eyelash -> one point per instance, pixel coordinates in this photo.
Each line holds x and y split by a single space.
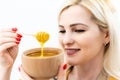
77 30
62 31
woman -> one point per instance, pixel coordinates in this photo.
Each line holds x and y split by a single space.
88 34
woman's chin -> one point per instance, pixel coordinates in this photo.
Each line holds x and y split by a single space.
71 62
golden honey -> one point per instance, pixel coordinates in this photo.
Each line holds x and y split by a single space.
37 54
42 37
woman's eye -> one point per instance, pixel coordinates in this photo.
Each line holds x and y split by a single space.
79 30
62 31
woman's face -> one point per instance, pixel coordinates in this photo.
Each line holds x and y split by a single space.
80 36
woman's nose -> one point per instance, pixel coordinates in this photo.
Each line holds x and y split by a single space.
68 39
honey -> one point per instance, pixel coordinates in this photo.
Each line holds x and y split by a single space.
37 54
42 37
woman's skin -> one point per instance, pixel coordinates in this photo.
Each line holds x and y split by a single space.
83 43
9 43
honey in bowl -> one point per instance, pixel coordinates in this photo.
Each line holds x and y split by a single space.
37 54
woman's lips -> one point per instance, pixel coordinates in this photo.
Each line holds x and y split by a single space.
71 51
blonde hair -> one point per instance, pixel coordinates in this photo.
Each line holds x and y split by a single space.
106 17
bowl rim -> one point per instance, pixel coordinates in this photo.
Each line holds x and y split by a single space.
32 50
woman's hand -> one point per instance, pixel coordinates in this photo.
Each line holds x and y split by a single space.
24 75
61 73
9 41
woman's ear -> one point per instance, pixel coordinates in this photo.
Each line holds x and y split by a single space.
107 37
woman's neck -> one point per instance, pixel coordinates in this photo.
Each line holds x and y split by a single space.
88 71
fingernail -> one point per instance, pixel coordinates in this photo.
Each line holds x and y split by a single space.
19 69
18 39
19 35
17 42
64 66
14 29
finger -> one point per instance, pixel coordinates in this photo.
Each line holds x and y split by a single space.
24 75
14 29
13 51
6 60
8 34
6 46
7 40
62 72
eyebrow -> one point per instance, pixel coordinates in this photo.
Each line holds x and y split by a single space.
75 24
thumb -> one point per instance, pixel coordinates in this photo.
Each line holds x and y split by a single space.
24 75
62 72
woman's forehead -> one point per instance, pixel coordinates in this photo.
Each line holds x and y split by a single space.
76 10
75 14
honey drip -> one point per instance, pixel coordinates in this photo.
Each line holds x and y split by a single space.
42 37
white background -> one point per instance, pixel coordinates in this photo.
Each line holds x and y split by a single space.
30 16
